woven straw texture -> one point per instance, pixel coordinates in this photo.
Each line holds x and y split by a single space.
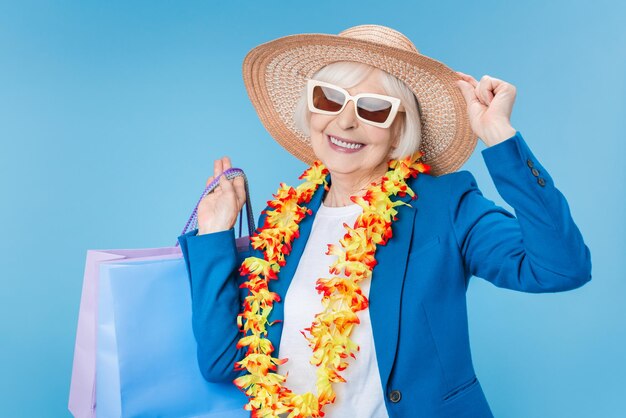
275 75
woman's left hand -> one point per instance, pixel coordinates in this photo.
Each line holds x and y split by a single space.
489 105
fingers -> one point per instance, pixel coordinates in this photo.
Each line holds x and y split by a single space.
225 184
467 85
484 90
218 168
226 163
237 185
240 189
471 80
468 92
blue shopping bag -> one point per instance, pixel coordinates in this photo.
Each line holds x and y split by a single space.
146 361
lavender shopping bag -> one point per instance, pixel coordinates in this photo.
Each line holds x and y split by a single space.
135 353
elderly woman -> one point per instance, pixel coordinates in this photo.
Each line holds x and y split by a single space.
351 300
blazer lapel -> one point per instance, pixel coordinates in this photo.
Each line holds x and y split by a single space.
386 289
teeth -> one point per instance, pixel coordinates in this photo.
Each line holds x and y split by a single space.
344 144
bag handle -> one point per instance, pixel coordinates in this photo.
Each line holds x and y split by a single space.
230 174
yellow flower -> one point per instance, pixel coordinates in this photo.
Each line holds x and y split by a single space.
256 266
258 364
304 406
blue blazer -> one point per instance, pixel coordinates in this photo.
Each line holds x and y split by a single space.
417 296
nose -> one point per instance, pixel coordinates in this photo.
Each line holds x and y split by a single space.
347 118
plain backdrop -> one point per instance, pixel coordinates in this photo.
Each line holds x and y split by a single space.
111 114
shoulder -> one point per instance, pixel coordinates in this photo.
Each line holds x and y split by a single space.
445 186
447 197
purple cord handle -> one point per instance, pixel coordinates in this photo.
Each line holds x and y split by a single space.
230 174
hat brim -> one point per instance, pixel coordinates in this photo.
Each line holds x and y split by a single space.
275 75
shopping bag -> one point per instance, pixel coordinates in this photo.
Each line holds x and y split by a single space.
135 352
82 401
146 359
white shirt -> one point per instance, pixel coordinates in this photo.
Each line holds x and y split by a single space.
362 394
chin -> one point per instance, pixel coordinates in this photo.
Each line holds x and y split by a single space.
358 163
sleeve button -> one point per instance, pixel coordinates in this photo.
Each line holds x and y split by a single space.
541 181
535 172
530 163
395 396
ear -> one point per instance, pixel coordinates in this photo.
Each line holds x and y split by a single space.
396 141
396 130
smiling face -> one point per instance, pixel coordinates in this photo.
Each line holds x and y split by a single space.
349 147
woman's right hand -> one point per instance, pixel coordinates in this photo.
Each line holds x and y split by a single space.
218 210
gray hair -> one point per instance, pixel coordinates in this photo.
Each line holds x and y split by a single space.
347 74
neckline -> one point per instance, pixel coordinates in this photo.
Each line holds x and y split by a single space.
339 210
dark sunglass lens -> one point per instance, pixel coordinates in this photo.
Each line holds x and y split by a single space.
328 99
372 109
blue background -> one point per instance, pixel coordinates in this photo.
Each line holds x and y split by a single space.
111 114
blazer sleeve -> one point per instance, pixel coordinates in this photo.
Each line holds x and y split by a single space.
538 250
212 265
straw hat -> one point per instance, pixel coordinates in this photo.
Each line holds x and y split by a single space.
275 75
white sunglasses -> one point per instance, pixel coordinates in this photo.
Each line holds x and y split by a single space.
375 109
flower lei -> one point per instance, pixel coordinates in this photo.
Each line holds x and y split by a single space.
342 298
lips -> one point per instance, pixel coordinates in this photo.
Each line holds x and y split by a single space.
344 145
